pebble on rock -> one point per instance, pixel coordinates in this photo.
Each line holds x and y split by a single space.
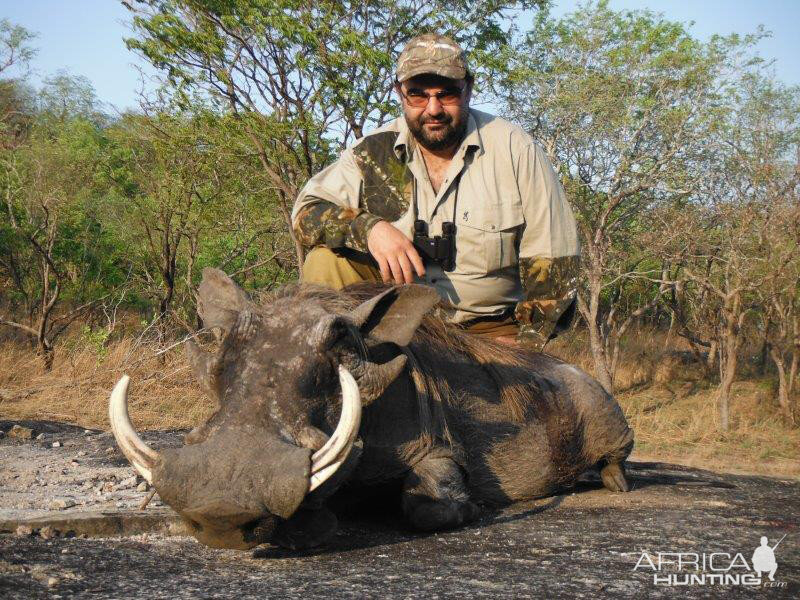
127 483
142 487
24 530
62 503
52 581
56 444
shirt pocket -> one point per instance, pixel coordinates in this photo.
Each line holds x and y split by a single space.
487 237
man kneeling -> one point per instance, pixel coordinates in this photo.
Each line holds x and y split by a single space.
449 197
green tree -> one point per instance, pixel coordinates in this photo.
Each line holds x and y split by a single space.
735 242
53 250
188 194
16 100
15 48
623 103
300 78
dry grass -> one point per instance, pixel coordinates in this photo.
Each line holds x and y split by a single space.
669 403
163 395
681 423
671 406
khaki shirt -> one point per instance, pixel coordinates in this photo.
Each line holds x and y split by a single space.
515 231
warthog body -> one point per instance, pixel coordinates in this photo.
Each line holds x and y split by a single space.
461 421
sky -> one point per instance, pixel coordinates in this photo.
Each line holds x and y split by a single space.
85 37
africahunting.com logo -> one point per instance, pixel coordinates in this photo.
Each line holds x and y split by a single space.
713 568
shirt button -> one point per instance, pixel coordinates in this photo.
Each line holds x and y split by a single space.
493 227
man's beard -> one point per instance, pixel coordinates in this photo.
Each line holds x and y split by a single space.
440 139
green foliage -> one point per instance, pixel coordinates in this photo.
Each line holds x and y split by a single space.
679 156
95 339
296 80
15 49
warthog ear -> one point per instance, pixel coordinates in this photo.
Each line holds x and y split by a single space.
394 315
219 301
206 368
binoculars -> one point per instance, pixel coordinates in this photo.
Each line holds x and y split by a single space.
440 249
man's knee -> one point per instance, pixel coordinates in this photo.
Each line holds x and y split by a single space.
317 260
320 267
324 267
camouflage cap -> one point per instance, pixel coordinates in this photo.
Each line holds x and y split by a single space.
432 53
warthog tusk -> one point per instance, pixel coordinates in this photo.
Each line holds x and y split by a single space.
140 455
330 457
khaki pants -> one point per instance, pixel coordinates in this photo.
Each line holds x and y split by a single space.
338 269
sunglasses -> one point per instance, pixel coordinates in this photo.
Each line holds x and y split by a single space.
419 99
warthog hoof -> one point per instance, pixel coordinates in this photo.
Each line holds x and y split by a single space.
438 515
613 476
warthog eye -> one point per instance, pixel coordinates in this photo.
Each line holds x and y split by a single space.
316 377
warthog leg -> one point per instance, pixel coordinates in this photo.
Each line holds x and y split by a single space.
435 495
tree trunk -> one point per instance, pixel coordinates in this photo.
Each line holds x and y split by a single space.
723 403
728 359
590 314
298 247
763 353
783 386
44 350
724 392
711 359
670 331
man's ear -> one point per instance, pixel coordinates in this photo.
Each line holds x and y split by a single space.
394 315
219 301
398 89
469 83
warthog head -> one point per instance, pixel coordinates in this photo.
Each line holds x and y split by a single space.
290 379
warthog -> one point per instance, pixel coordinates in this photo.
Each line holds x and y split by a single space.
319 389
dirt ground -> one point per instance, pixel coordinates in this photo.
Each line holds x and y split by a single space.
83 536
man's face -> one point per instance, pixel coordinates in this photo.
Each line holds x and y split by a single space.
436 109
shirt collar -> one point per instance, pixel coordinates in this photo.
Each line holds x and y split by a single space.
472 139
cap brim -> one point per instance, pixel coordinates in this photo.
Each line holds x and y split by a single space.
449 72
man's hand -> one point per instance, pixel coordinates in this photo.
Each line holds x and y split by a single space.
396 255
508 340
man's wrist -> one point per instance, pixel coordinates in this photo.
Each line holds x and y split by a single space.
360 228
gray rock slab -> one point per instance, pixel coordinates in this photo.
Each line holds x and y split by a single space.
584 543
107 523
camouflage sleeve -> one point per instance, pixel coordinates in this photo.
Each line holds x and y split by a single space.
324 223
549 250
550 287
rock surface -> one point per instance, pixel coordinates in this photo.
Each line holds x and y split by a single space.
582 544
